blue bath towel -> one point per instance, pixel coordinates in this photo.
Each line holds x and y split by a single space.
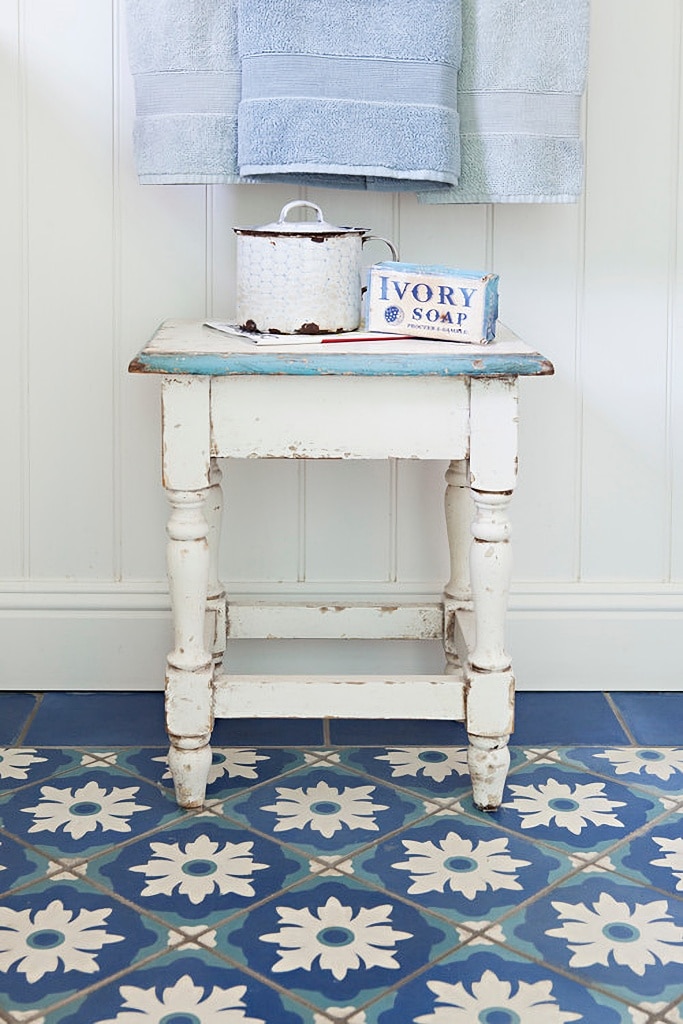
348 93
522 75
185 65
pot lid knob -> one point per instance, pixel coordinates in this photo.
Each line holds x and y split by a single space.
320 225
282 226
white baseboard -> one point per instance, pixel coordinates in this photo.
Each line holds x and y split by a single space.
561 637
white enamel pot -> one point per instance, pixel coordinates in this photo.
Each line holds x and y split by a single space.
301 277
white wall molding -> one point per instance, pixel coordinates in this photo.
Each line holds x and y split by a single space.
152 595
563 636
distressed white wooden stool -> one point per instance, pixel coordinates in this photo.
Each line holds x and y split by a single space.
224 397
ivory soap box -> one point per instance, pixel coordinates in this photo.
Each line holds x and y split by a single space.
432 302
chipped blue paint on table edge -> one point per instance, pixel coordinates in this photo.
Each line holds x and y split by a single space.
450 364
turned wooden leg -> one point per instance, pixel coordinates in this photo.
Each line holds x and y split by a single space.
489 761
189 674
457 593
215 601
489 679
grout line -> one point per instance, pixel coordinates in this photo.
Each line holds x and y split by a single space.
301 553
190 942
620 719
209 250
29 720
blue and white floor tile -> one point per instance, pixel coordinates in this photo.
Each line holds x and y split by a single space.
330 882
466 870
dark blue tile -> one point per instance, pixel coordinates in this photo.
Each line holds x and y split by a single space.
559 719
14 711
99 719
268 732
653 718
363 732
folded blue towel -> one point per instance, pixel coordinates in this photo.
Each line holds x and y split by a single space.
349 94
522 75
185 65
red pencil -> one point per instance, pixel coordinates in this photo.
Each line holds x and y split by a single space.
340 339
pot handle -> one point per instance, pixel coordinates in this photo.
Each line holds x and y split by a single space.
299 202
378 238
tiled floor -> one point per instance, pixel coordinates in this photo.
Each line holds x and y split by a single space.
345 876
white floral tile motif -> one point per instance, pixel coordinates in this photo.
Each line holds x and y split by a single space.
185 987
78 810
634 936
610 932
458 864
85 810
659 768
57 938
233 769
435 771
16 762
431 764
335 942
334 876
570 809
568 806
324 809
335 936
22 765
198 871
465 870
494 987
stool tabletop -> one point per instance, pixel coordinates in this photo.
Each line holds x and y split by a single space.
191 347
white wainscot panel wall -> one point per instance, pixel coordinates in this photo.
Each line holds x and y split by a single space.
91 262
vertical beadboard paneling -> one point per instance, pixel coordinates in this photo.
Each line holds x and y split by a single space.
12 295
69 100
90 262
676 344
537 254
624 356
348 521
161 259
455 236
452 235
349 506
421 542
261 537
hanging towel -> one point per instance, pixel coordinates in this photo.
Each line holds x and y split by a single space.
522 75
185 65
348 93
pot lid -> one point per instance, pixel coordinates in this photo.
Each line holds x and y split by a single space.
302 227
